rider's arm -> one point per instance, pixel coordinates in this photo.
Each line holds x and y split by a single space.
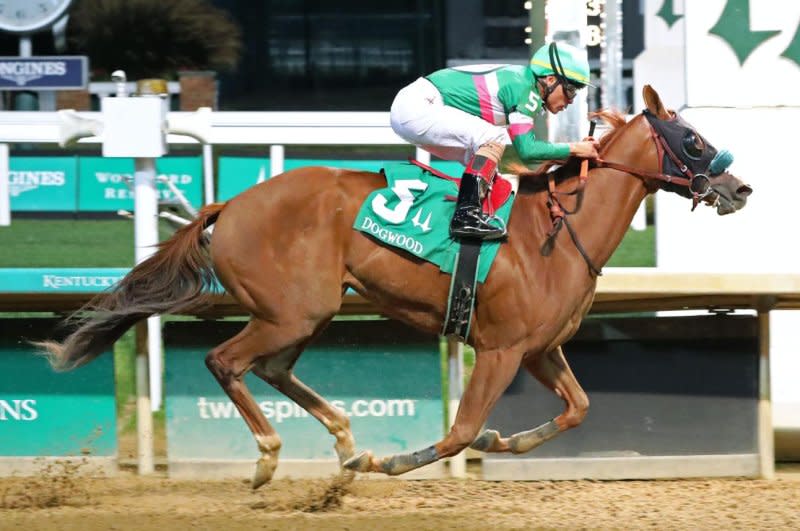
523 137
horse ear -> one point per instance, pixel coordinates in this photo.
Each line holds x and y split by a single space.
653 102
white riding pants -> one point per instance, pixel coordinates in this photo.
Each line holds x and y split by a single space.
419 116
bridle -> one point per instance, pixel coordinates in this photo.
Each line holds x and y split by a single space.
697 183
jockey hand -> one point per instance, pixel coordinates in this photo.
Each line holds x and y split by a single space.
586 149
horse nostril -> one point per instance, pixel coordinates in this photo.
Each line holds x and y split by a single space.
744 190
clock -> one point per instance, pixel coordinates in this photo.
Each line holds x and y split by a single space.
29 16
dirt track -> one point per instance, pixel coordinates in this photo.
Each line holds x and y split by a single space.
65 502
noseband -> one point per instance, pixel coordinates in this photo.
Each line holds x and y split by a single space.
697 183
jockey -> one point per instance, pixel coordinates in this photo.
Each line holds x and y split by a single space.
469 114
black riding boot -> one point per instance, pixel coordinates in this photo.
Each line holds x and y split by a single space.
469 221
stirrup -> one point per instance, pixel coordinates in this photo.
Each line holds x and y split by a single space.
481 230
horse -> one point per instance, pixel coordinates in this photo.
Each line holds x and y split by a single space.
286 250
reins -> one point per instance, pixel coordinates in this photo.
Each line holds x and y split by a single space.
559 214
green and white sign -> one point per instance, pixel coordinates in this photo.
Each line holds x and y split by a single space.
384 375
46 413
43 184
106 184
59 279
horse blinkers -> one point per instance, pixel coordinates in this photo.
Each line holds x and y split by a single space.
685 153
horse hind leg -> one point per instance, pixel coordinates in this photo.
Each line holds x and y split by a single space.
493 372
229 362
553 371
277 371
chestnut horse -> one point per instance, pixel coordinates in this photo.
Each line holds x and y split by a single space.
286 250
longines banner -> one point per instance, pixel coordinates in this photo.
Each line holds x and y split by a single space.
60 72
383 375
106 184
43 184
46 413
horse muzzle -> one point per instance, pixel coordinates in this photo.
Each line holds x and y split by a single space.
729 193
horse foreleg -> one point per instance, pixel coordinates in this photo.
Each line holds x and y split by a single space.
229 362
277 372
553 371
492 374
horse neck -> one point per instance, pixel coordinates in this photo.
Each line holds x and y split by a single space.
611 197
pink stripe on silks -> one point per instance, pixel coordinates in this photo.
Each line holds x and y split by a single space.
484 100
515 130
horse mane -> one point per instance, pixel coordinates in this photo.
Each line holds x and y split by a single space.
615 119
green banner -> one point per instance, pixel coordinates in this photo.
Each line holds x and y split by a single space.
237 174
43 184
106 184
46 413
59 279
384 375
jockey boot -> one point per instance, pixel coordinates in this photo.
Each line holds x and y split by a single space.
470 221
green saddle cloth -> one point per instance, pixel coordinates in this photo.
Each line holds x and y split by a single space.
413 214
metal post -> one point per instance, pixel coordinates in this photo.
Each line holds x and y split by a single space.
276 160
766 441
611 55
423 156
208 173
5 189
144 417
538 36
455 385
148 359
566 22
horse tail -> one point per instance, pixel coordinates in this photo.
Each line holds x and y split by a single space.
178 277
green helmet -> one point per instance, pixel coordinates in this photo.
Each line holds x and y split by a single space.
572 61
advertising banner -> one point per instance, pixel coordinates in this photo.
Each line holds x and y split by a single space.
106 184
385 376
43 184
46 413
59 279
61 72
237 174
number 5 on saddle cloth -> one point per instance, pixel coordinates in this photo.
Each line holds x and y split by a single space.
413 214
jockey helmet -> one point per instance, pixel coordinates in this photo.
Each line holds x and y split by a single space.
567 61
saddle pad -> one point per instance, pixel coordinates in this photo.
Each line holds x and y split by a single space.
413 214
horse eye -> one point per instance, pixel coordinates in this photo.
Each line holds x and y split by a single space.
692 145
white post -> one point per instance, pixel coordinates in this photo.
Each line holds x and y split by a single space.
276 160
640 218
423 156
455 385
766 442
5 190
208 173
145 238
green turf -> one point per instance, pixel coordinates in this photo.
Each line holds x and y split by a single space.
69 243
109 243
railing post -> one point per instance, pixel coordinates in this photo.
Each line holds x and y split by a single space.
276 160
208 173
455 379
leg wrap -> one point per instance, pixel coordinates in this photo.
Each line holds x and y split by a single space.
528 440
397 464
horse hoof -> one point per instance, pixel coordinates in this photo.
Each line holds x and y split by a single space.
485 440
264 470
359 463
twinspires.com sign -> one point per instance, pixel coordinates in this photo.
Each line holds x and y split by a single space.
60 72
383 375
